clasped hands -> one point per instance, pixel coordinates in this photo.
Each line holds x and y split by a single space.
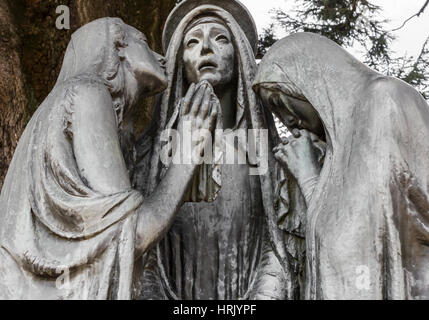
299 155
198 114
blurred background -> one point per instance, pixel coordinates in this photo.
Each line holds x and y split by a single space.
391 36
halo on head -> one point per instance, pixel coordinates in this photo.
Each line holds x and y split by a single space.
234 7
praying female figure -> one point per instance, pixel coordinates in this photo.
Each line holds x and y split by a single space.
71 226
220 245
367 223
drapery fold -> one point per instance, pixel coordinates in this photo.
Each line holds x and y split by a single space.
250 115
60 238
367 226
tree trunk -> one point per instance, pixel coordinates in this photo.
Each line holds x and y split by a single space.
32 49
12 97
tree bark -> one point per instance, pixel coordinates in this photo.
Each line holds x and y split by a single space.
32 49
13 99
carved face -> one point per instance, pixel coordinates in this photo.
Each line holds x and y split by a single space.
293 112
209 54
143 64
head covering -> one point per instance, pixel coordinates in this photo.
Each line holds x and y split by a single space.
238 11
93 53
92 50
167 111
249 113
53 224
368 213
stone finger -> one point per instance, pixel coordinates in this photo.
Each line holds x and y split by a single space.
187 99
198 97
296 133
204 110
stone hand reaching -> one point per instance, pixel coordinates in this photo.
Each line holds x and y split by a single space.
299 155
198 113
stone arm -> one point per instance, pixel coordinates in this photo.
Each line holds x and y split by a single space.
101 164
302 155
307 188
96 142
156 215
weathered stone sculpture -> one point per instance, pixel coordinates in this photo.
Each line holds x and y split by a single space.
71 227
223 241
341 212
367 221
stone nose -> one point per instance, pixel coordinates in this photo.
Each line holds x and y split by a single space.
207 48
160 59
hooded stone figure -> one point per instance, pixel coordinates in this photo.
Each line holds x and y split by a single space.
71 227
367 220
224 243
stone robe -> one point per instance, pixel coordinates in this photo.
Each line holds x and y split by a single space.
367 224
61 237
225 243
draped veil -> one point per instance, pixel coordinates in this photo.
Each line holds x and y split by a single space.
60 238
367 232
250 114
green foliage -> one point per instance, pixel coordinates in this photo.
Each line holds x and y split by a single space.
354 23
346 22
266 39
414 71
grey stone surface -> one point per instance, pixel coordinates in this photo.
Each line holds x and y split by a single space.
341 212
224 242
237 10
71 225
367 218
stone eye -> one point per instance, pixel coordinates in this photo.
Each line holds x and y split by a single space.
192 43
222 38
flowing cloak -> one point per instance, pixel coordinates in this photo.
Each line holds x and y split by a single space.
367 223
60 238
181 278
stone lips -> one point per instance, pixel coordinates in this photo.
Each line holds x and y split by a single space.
236 8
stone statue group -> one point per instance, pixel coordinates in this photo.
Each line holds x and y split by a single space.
341 213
